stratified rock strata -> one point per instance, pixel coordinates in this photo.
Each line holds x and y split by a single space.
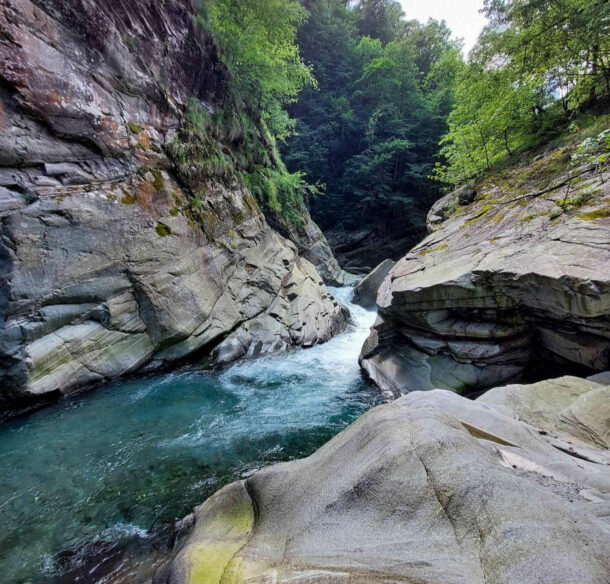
514 275
313 246
433 488
109 263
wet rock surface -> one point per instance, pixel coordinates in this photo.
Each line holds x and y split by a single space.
431 488
105 269
511 278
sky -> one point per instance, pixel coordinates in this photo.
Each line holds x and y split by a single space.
462 16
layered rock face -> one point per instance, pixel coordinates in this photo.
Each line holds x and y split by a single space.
514 274
106 265
313 246
433 488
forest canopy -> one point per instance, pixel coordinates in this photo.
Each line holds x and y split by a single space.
536 65
369 132
381 112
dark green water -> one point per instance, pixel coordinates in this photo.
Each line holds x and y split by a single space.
117 464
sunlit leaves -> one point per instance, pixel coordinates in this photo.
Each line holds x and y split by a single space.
257 42
536 63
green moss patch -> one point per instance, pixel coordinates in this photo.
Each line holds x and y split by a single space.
594 215
533 216
482 213
134 128
158 183
163 230
212 558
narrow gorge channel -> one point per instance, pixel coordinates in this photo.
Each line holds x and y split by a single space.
99 475
304 292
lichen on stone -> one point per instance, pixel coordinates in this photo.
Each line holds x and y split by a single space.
434 249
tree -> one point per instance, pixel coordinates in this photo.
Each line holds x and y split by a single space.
536 64
381 19
370 132
257 42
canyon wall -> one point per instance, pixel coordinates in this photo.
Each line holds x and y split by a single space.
111 260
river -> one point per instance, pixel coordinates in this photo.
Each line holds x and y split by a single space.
88 485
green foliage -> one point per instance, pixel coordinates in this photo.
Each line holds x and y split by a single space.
237 141
257 43
594 151
202 150
281 191
380 19
537 64
228 146
370 132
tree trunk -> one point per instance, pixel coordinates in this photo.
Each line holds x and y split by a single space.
510 153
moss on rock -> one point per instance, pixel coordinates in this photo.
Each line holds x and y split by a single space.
594 215
163 230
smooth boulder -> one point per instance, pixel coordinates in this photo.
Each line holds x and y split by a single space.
365 292
433 489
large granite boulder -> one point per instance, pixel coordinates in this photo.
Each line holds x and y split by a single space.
111 258
515 281
365 292
433 488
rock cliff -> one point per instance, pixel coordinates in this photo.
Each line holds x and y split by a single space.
433 488
513 280
113 257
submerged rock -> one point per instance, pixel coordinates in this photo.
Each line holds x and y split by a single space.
502 285
112 258
431 488
365 292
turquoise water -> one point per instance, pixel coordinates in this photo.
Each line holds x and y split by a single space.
118 464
